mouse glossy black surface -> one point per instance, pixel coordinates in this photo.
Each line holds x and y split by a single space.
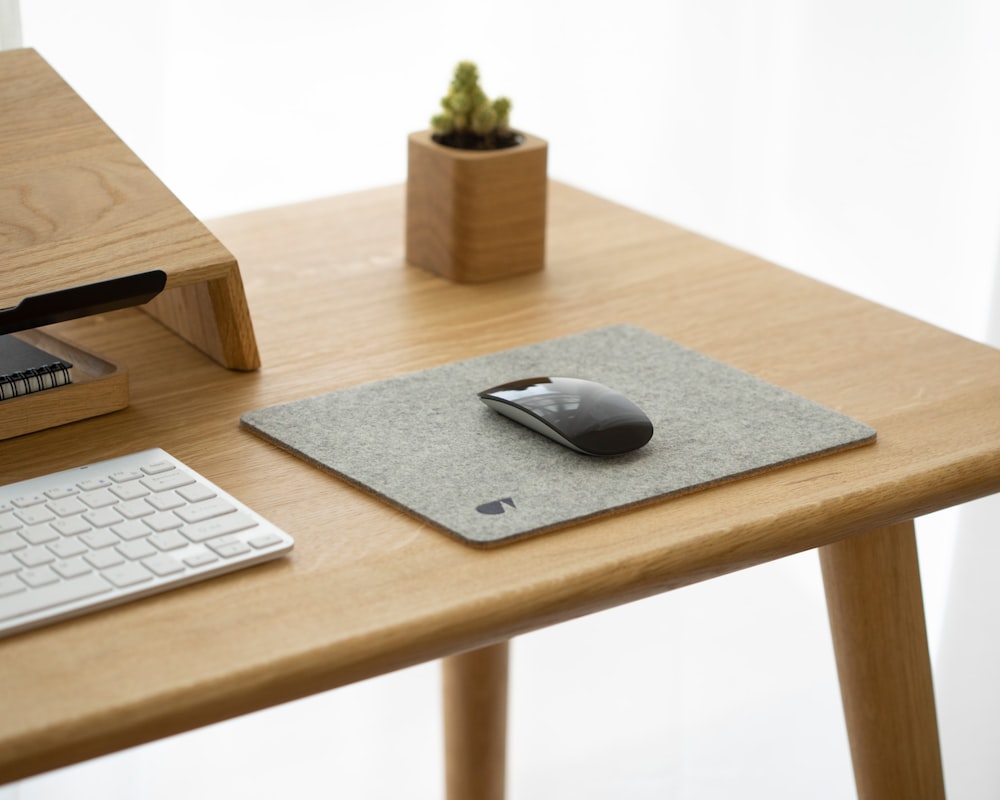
583 415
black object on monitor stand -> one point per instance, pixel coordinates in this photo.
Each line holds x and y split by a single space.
82 301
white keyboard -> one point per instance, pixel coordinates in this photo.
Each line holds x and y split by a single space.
102 534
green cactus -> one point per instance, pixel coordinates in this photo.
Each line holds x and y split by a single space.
468 119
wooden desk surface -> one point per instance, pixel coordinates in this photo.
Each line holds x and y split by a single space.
369 589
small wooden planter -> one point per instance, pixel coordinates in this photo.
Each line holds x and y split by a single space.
475 216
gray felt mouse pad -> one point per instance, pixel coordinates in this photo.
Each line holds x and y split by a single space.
425 441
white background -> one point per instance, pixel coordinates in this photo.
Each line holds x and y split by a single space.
853 141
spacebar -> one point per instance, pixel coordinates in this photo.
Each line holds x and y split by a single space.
51 596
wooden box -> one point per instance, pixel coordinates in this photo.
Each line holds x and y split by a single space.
474 216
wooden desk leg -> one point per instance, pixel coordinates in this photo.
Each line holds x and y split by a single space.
475 723
876 610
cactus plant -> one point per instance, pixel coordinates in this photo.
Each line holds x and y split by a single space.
475 189
469 119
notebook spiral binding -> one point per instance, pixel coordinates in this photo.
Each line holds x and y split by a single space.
48 376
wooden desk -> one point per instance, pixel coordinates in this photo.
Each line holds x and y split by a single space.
369 589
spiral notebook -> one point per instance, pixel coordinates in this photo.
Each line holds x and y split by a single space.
25 369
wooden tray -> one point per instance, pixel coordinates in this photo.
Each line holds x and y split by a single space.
98 387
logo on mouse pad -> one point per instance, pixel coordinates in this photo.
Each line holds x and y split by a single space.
496 506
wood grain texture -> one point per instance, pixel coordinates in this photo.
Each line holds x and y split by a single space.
876 613
475 723
214 316
369 589
476 216
78 206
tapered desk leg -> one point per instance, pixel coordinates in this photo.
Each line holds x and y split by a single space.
876 613
475 723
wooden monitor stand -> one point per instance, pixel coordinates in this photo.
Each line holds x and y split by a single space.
78 206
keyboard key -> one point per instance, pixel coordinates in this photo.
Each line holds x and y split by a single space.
156 467
34 556
39 534
56 594
166 501
67 548
103 517
220 526
9 564
126 475
201 559
102 559
128 574
100 498
35 516
71 526
10 542
9 523
136 550
28 500
40 576
228 549
92 484
169 540
264 540
199 512
168 480
196 493
134 509
133 529
96 540
129 491
163 565
71 568
163 522
59 492
66 507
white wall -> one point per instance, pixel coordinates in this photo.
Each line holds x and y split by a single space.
853 141
10 24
